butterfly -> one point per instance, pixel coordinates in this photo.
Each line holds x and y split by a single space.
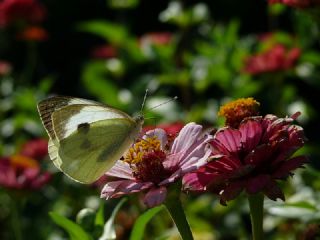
86 138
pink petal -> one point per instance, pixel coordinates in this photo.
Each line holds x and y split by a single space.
251 132
122 187
155 196
193 148
230 139
172 161
273 191
289 165
224 164
197 181
259 155
231 192
121 170
160 134
187 136
257 184
197 155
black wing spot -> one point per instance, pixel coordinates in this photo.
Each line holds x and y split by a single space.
85 144
83 128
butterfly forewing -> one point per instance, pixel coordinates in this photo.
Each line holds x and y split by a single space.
48 106
66 120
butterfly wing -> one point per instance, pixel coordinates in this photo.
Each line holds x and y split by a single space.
86 137
48 106
88 153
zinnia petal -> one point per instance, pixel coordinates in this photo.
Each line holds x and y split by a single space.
187 136
230 139
118 188
155 196
121 170
160 134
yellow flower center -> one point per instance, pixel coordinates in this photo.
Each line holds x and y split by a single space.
19 161
146 160
235 111
136 152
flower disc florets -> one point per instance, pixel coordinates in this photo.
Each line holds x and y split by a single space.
235 111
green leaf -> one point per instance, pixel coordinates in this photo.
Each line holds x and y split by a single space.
74 230
97 82
141 222
99 221
113 33
109 232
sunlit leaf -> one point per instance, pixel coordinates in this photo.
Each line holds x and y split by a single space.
112 32
141 222
109 231
74 230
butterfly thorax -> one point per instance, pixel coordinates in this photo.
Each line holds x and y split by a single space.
139 119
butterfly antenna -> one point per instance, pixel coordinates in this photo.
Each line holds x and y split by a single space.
144 100
170 100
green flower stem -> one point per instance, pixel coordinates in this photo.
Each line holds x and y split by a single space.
31 62
15 220
174 207
256 214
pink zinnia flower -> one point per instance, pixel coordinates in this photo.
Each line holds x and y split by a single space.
250 156
36 149
104 51
29 11
297 3
277 58
154 162
5 68
157 38
171 128
21 172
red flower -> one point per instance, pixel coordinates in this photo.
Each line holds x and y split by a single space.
5 68
105 51
21 172
36 149
277 58
33 34
171 128
157 38
251 157
29 11
296 3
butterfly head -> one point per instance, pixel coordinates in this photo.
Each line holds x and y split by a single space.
139 119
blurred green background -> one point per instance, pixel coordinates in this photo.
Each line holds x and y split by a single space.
204 52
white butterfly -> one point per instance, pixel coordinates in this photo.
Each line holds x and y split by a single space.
86 137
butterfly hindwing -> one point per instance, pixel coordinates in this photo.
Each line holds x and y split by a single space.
90 151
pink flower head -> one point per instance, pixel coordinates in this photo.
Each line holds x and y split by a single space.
251 157
5 68
296 3
104 52
277 58
21 172
29 11
156 161
36 149
171 128
156 38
